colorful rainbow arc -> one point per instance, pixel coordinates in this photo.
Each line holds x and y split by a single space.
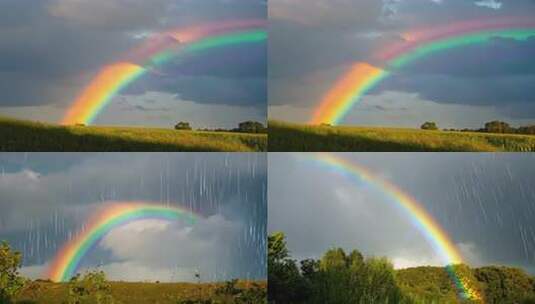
159 49
114 215
362 77
419 217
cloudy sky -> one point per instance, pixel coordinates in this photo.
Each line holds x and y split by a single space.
484 202
45 198
313 42
51 49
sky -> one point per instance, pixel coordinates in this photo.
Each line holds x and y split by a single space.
47 198
314 42
51 49
484 202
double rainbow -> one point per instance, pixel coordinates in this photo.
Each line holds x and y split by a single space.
423 221
160 48
362 77
114 215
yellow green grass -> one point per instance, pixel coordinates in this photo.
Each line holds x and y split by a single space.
286 137
131 293
27 136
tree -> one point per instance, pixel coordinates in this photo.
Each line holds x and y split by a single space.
286 285
498 127
429 125
183 125
11 282
251 127
506 285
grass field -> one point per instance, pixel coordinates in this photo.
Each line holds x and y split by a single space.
288 137
19 135
131 293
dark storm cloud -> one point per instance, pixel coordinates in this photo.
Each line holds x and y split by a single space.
208 79
44 198
51 48
484 202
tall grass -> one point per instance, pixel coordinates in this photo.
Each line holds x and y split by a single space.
286 137
19 135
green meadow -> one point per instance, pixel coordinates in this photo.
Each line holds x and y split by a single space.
288 137
20 135
143 293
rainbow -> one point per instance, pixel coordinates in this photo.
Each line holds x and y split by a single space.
419 217
157 50
362 77
111 216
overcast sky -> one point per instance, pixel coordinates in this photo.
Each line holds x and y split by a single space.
484 202
44 198
313 42
51 49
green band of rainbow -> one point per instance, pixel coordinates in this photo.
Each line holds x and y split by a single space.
68 259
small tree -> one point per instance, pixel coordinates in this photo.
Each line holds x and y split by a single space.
183 125
11 282
429 125
498 127
91 288
251 127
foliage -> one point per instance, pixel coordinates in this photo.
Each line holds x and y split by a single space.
183 126
340 278
91 288
18 135
336 278
286 285
251 127
506 285
11 283
497 127
429 125
290 137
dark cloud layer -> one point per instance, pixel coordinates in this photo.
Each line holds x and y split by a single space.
51 48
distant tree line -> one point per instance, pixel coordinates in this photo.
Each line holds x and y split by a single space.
343 278
243 127
496 126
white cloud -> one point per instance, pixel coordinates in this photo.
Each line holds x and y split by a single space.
492 4
170 252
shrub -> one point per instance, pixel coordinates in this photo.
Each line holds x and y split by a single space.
11 283
91 288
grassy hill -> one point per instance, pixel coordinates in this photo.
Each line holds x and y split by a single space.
132 293
19 135
285 137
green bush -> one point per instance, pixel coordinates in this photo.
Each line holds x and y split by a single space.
90 288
